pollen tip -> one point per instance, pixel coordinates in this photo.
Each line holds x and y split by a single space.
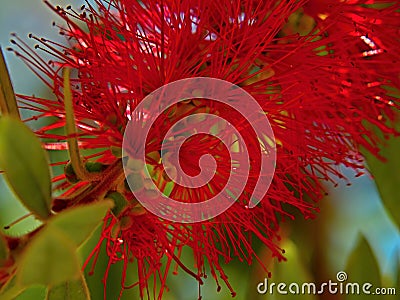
30 35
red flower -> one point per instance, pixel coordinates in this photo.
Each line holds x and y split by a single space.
323 83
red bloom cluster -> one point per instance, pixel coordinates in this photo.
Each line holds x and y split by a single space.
323 71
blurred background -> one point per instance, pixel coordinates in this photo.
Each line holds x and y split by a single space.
357 230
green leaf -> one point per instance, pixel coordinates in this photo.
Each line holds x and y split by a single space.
49 259
10 290
35 292
8 103
4 251
69 290
387 175
362 268
78 223
25 165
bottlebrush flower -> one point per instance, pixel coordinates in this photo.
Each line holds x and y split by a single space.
323 72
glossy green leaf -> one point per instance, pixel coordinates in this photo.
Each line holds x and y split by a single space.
4 251
25 165
78 223
362 268
69 290
49 259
